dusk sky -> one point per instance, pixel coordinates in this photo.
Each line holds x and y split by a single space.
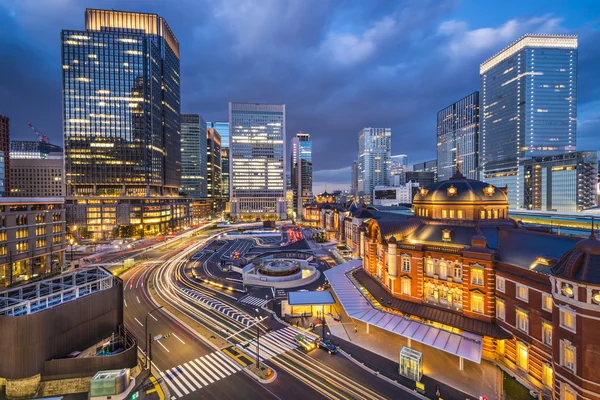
338 65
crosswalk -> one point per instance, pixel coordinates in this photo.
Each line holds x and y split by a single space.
221 307
253 301
274 343
196 374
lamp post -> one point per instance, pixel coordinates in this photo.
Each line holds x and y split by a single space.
141 231
258 339
148 355
71 241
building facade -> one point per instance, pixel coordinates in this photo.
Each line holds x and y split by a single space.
213 164
374 158
257 156
395 195
35 172
564 182
225 172
354 179
193 155
121 116
32 237
5 156
458 135
528 101
529 300
427 166
398 164
301 171
423 178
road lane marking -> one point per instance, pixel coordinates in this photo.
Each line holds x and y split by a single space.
163 346
181 375
154 317
138 321
157 389
178 338
125 301
173 375
138 299
194 370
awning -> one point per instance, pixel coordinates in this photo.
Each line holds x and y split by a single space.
358 307
312 298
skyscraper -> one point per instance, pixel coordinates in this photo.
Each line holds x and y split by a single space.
528 101
121 102
225 172
257 159
374 151
193 155
301 171
457 134
213 163
398 165
354 183
223 129
4 156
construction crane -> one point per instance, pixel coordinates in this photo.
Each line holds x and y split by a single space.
41 136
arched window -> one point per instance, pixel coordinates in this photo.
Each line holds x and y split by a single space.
429 267
443 268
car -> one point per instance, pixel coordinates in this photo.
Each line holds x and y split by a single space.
302 341
326 345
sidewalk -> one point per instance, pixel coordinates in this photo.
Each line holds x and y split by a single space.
380 350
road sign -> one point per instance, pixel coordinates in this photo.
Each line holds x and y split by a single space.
157 337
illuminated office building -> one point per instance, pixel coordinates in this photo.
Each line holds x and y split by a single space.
193 155
528 107
121 116
257 158
374 161
457 135
354 177
213 163
223 129
225 172
4 156
36 169
301 171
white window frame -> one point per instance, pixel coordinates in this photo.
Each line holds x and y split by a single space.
500 310
564 346
457 267
405 281
547 377
547 333
544 298
500 284
524 298
429 267
562 312
405 264
520 346
477 296
443 274
477 270
522 323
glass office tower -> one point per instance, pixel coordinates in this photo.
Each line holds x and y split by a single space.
121 105
223 129
121 117
257 160
225 172
457 134
213 163
374 159
193 155
301 172
528 106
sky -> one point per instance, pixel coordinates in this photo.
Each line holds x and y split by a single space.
338 65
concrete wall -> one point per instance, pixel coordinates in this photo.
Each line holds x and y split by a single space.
28 341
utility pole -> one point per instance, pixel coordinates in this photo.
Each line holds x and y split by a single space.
148 339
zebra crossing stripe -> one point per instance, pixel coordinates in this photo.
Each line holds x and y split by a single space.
182 375
201 372
171 385
174 380
217 371
228 362
206 366
193 372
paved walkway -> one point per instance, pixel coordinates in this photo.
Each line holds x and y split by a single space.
382 348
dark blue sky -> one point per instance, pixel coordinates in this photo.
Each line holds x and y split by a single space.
338 65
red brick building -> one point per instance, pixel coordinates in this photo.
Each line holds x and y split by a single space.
460 263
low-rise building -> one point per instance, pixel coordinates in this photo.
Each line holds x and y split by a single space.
528 300
36 169
32 237
395 195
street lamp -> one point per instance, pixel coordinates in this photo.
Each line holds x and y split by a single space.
148 355
141 231
258 339
71 241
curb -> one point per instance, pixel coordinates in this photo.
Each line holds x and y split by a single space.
259 379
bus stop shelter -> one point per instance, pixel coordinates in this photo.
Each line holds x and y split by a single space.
302 303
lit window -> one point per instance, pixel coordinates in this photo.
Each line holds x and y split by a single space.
443 269
546 302
457 272
500 347
477 303
522 356
522 321
567 320
444 213
477 276
405 286
429 267
482 214
460 214
547 375
500 309
452 214
567 355
522 292
500 282
567 393
405 264
547 333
